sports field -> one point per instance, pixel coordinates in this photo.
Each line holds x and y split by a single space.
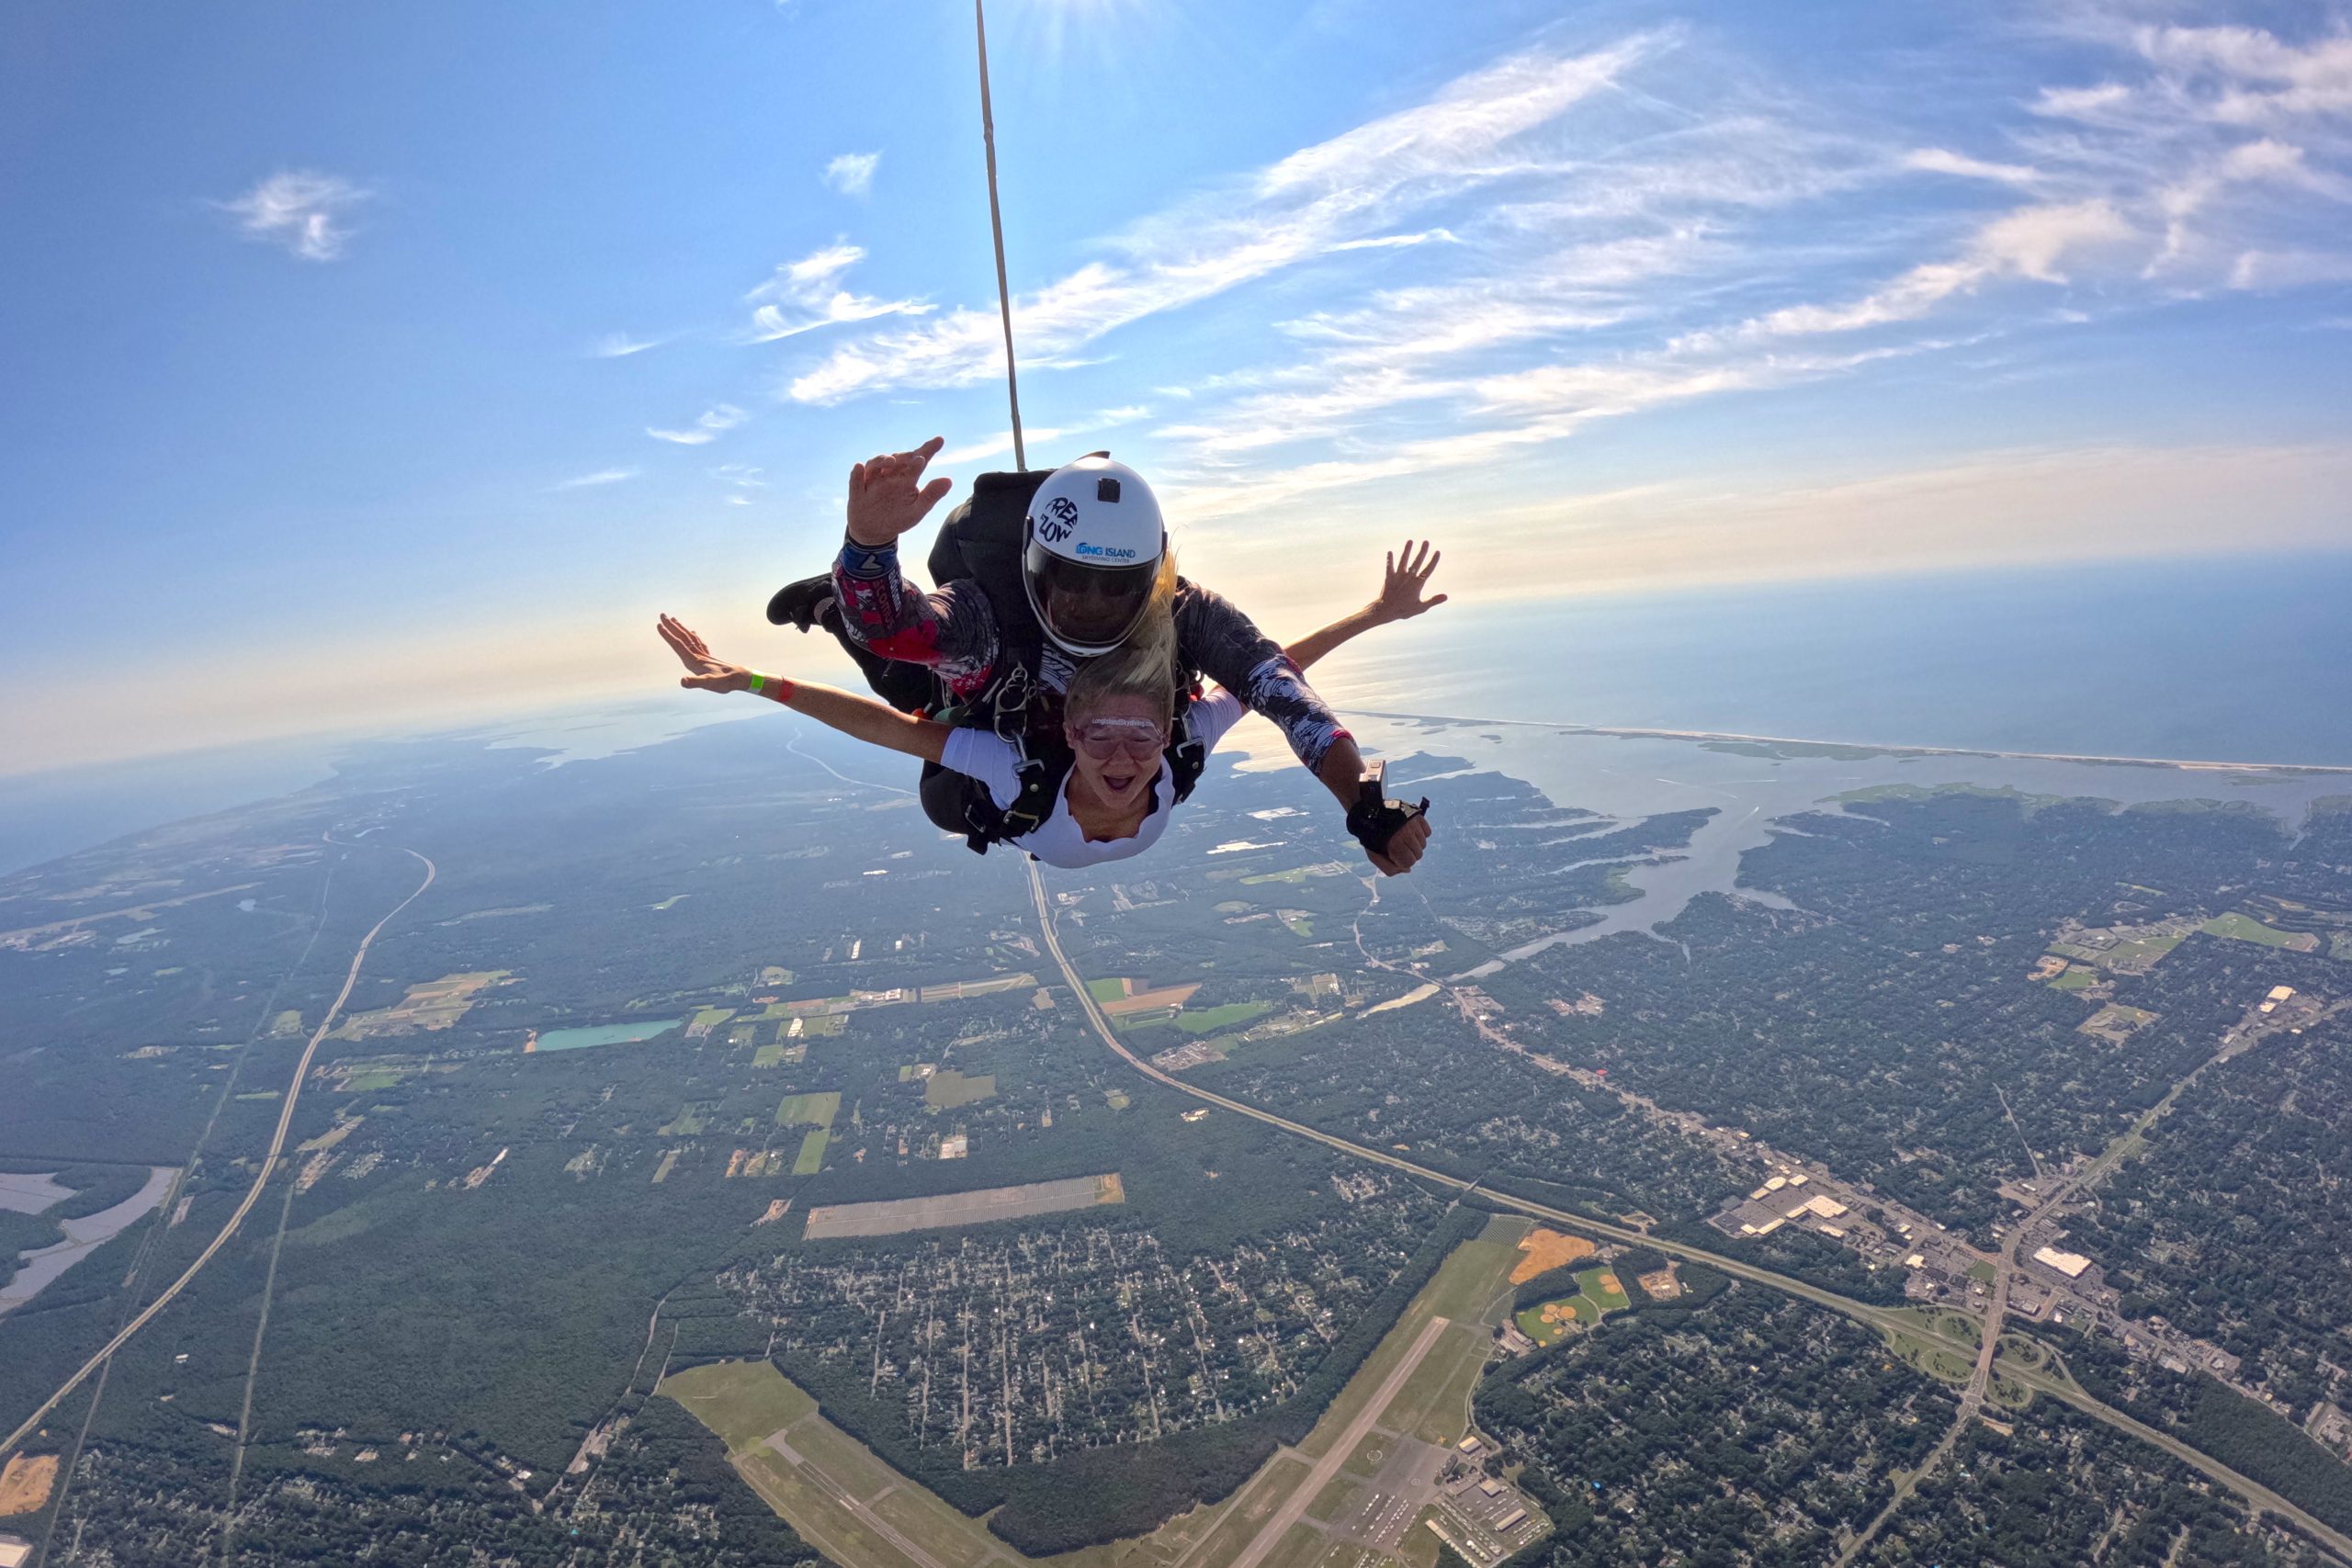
1599 1294
810 1109
894 1216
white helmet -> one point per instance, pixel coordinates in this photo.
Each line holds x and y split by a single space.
1091 548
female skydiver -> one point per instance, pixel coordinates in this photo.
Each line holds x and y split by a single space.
1063 585
1116 799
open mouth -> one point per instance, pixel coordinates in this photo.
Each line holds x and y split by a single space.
1119 783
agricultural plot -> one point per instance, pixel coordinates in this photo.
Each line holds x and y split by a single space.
433 1005
897 1215
810 1109
811 1157
2075 978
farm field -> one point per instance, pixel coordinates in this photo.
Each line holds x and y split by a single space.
811 1157
894 1216
810 1109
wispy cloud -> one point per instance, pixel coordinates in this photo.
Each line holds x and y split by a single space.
620 345
601 477
707 428
852 174
806 294
1349 189
1942 161
300 209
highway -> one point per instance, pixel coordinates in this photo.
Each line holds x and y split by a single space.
1880 1318
252 1196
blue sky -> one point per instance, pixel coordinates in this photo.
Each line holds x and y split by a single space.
369 363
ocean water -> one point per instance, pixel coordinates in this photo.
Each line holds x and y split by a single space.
2247 660
2234 660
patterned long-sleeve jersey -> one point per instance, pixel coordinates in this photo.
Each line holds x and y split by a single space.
952 629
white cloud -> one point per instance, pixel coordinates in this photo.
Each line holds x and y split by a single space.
852 174
620 345
2029 243
1941 161
743 476
2081 103
1034 437
1347 188
712 424
805 295
302 210
1396 242
601 477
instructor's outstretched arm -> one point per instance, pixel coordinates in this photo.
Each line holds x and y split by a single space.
861 718
1400 600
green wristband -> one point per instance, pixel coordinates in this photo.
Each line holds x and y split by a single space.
759 685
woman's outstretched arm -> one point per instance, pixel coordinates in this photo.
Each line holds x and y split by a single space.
862 718
1400 600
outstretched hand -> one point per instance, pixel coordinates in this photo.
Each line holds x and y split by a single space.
886 495
704 674
1409 574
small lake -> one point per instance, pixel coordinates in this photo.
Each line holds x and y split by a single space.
38 1270
603 1034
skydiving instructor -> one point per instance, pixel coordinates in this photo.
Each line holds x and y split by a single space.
1095 543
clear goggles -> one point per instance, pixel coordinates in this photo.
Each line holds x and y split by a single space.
1103 739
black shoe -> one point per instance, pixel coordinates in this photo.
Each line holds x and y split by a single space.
807 604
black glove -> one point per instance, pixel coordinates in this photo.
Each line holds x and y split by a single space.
804 604
1374 819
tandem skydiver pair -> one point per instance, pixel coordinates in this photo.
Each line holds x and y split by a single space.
1051 681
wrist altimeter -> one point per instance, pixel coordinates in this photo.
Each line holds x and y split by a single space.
1375 818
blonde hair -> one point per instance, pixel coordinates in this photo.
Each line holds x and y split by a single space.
1144 665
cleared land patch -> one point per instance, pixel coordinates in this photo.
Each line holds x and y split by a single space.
24 1485
1542 1250
434 1004
2242 927
2115 1022
811 1157
1135 1002
893 1217
946 1090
